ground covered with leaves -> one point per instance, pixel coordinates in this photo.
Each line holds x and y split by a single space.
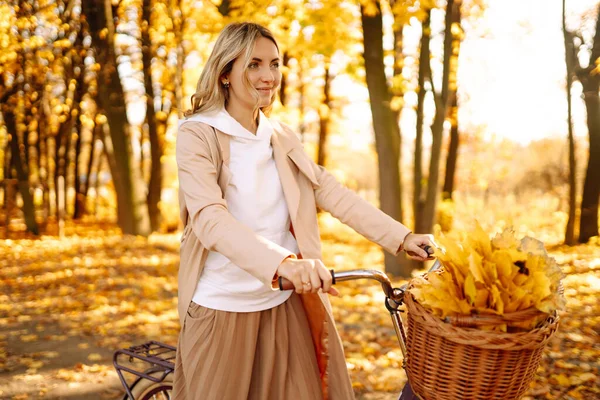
67 304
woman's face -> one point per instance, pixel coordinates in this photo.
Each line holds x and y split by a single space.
263 73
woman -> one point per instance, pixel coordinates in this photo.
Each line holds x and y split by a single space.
248 197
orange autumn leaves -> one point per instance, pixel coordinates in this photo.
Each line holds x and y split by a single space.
122 292
497 276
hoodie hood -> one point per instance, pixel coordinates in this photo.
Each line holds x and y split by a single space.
222 121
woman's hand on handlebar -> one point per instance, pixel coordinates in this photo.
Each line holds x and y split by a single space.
419 247
307 275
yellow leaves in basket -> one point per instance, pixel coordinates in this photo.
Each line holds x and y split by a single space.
497 276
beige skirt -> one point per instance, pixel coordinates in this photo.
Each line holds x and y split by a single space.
258 355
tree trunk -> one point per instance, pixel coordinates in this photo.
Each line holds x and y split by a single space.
75 167
437 128
22 174
63 141
452 151
397 87
588 224
387 132
132 211
398 57
156 151
448 188
324 112
79 72
43 161
178 19
424 55
99 166
155 183
81 208
76 128
50 155
95 164
569 61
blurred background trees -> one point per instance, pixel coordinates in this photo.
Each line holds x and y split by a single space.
583 60
91 92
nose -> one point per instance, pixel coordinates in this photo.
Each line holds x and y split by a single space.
267 76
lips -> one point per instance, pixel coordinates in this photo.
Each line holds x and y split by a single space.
264 90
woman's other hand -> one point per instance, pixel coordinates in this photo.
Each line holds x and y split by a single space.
414 246
307 275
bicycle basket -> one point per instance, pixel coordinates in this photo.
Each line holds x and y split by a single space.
448 362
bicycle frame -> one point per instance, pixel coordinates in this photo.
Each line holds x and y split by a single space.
394 297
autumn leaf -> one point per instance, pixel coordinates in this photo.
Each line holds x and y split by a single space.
470 290
94 357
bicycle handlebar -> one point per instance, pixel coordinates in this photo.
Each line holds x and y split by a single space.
392 293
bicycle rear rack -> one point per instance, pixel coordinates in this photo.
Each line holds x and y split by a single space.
159 356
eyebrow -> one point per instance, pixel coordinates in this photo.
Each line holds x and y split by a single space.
260 60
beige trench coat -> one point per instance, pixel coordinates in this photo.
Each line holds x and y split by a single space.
202 155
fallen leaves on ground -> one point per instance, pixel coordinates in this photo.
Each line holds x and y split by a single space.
100 290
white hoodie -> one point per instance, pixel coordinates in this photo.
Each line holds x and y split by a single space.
254 197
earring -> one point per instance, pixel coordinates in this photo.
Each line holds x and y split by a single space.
226 84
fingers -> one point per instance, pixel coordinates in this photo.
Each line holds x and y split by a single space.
298 281
296 272
309 284
422 240
303 274
324 276
315 279
309 276
414 251
415 247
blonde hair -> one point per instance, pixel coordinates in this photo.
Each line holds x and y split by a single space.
236 39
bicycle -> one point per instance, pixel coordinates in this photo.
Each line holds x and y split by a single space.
156 381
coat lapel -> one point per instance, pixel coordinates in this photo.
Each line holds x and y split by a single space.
287 176
287 165
225 175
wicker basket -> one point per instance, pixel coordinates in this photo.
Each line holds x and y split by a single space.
449 362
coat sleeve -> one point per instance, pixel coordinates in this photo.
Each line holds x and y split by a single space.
211 221
351 209
356 212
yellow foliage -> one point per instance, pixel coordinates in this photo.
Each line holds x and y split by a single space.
498 276
445 215
370 8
